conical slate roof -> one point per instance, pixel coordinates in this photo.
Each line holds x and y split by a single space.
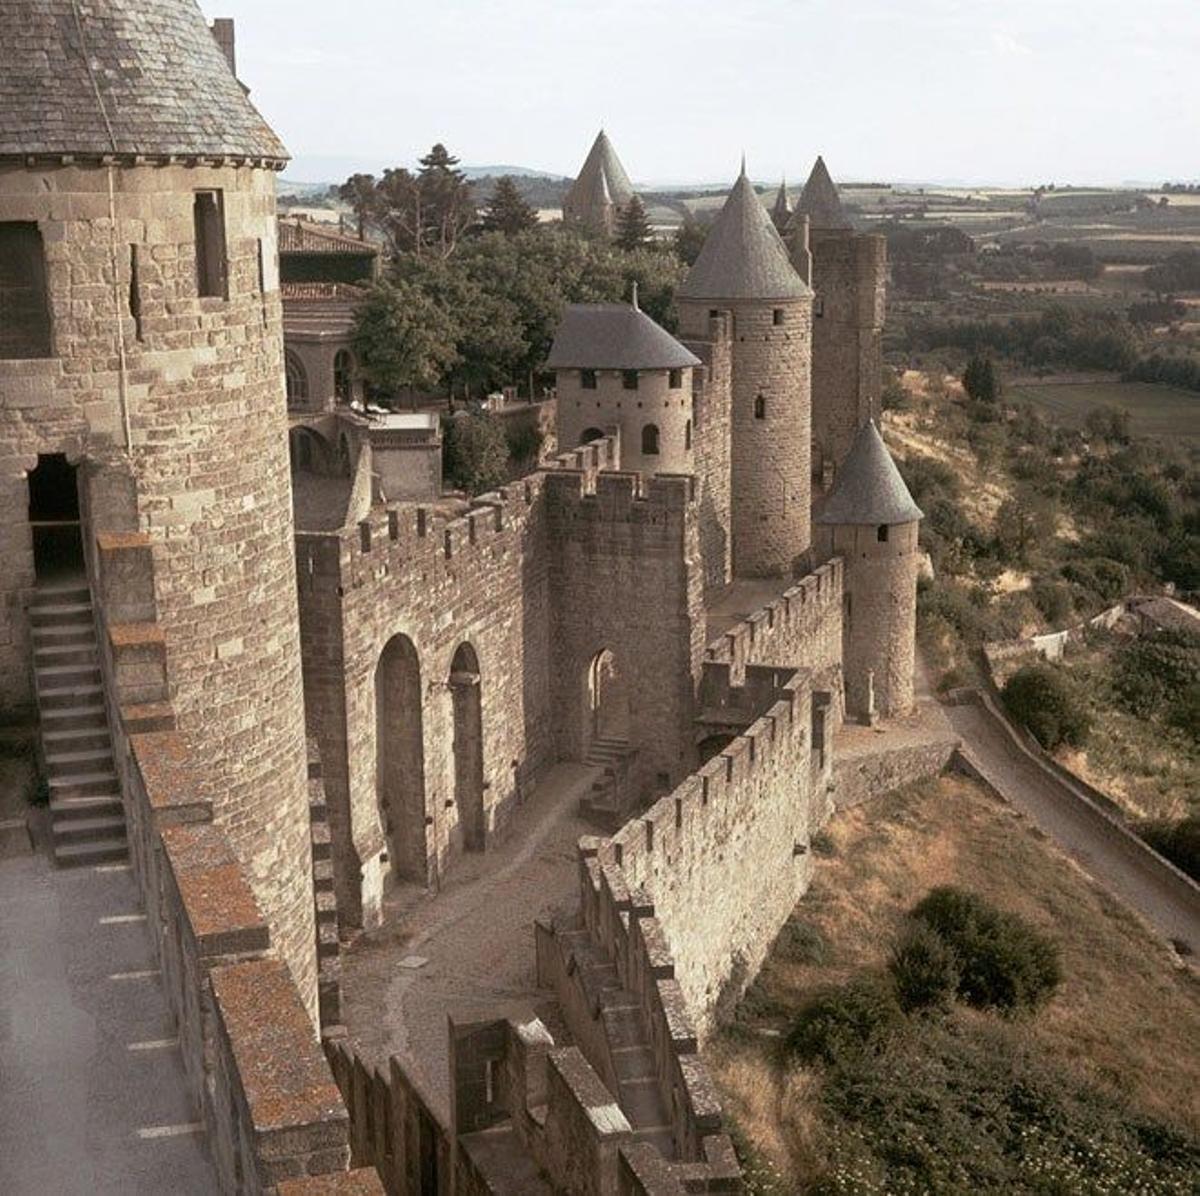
129 79
743 256
602 179
868 488
819 200
614 336
781 210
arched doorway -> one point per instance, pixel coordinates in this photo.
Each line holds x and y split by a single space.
400 757
468 746
309 451
54 519
607 713
343 376
297 379
590 434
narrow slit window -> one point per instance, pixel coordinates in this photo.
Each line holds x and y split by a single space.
24 302
760 407
818 307
135 291
208 217
687 435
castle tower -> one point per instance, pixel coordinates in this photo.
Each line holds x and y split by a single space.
781 210
870 520
600 192
137 241
615 367
849 272
743 270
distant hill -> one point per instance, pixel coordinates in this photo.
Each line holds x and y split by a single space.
517 172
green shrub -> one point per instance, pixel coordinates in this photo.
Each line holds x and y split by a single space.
1042 698
1154 672
924 968
840 1023
802 942
1179 842
1004 962
822 844
1053 600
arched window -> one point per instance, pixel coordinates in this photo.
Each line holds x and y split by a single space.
650 440
590 434
760 407
343 376
297 379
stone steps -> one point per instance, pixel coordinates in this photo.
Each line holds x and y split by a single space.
87 818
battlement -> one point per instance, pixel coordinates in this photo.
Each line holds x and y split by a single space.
776 632
616 496
590 458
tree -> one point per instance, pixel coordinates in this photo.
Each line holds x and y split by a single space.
1022 522
448 208
476 452
402 338
360 193
633 229
981 380
507 212
689 239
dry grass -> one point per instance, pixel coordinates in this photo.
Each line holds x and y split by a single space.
1126 1017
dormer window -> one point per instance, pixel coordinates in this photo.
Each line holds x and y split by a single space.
629 379
675 379
587 379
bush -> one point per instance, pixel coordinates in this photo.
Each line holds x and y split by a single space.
1154 672
1053 600
924 968
1179 842
802 942
1004 962
475 456
839 1024
1042 698
822 844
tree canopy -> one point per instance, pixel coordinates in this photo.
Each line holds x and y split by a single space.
507 212
633 229
402 338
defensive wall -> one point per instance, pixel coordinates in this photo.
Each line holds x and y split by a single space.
252 1063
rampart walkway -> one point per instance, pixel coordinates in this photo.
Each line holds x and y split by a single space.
1118 861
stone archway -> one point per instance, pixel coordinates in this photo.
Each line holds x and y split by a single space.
465 692
607 701
400 758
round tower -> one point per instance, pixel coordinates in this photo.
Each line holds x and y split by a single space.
615 367
137 240
870 520
744 270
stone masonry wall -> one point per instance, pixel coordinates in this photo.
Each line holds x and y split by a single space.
626 576
481 580
849 277
183 397
724 858
712 395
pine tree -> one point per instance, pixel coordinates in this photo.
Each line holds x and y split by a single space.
446 203
507 212
981 380
633 229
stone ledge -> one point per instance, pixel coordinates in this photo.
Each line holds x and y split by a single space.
363 1181
164 763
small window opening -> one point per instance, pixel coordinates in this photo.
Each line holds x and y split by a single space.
881 533
777 317
760 407
587 379
650 440
629 379
135 292
818 307
687 435
24 306
208 217
675 379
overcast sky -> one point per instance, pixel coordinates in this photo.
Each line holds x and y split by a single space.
1005 91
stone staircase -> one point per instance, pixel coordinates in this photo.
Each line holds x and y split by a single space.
628 1041
87 819
608 805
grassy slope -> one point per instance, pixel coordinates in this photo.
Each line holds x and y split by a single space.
1127 1015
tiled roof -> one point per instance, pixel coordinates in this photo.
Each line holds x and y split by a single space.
781 210
614 336
819 200
743 256
602 179
304 236
868 488
91 78
302 291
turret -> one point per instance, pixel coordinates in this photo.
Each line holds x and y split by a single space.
602 189
848 275
781 210
615 367
137 238
744 270
869 519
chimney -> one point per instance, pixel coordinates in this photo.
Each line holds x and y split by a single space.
222 31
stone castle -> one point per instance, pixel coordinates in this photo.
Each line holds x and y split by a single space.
310 696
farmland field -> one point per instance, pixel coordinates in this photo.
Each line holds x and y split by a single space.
1154 410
